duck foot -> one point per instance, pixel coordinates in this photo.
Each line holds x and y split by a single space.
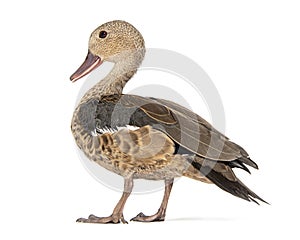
141 217
114 218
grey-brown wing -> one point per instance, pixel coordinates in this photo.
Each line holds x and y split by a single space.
189 114
201 121
185 128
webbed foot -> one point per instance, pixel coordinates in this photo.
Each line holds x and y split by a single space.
114 218
141 217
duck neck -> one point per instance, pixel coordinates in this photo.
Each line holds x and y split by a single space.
115 81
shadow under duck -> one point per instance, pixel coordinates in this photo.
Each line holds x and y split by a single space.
147 138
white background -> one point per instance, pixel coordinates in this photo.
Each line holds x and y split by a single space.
251 51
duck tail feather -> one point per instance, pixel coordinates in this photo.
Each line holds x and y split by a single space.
230 184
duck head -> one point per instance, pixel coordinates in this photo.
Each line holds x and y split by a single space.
115 41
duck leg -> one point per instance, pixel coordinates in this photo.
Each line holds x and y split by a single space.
117 215
161 213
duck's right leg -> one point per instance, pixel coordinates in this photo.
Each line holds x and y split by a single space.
161 213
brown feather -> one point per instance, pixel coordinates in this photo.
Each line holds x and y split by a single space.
187 129
138 150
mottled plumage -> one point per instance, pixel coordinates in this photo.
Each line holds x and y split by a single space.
148 138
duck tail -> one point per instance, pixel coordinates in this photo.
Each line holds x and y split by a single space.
227 181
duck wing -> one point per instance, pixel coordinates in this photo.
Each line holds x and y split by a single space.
189 114
184 127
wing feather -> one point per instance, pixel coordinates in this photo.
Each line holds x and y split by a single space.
183 126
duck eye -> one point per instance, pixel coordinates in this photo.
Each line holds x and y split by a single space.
102 34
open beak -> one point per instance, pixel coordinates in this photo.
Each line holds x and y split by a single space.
90 63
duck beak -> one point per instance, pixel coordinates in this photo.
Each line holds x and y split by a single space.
90 63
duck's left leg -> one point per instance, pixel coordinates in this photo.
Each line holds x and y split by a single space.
117 215
161 213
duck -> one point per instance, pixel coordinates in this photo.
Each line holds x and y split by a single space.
144 137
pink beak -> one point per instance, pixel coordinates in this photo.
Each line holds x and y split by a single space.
90 63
